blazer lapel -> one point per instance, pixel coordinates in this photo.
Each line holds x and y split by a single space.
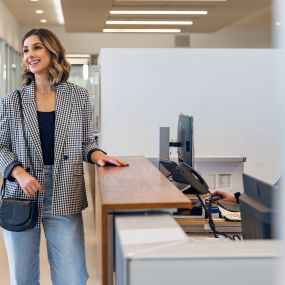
30 118
62 114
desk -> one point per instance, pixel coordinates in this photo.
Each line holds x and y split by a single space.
201 225
139 186
153 250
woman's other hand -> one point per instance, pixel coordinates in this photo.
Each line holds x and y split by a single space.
28 183
102 159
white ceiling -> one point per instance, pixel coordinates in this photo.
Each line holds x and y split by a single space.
91 15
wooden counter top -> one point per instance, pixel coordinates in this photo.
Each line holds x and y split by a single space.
138 186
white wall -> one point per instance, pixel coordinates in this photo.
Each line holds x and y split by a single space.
279 42
9 28
230 93
234 37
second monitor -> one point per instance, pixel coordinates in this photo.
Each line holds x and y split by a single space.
184 142
185 137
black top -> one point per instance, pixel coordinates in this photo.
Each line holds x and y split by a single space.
46 121
46 126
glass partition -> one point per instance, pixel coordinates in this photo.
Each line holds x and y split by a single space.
87 75
10 68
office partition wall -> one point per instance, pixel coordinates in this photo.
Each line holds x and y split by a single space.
230 93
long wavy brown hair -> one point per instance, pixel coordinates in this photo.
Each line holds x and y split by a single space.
59 68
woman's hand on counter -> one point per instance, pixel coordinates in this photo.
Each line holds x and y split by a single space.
102 159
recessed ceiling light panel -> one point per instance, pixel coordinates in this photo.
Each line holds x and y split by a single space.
172 0
141 30
58 10
152 12
115 22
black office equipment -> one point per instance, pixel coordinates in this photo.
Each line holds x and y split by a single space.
184 142
258 211
184 173
229 206
185 137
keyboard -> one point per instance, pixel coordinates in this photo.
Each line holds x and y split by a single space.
229 206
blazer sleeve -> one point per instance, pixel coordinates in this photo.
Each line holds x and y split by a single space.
8 159
89 144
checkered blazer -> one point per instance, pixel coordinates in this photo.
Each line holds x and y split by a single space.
74 139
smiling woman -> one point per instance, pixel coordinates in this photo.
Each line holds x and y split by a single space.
36 57
52 169
43 43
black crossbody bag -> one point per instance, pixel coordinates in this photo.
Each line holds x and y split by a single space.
18 215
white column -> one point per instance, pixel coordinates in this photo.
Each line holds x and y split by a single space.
279 43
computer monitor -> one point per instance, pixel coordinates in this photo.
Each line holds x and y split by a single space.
185 138
257 206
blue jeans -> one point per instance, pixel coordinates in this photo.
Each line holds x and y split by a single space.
65 246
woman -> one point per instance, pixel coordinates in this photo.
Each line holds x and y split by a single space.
58 126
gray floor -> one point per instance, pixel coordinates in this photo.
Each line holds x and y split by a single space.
45 273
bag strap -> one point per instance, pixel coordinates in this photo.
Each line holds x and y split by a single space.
26 144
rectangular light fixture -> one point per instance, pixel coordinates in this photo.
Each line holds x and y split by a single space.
151 12
39 11
172 1
78 58
141 30
120 22
58 11
78 55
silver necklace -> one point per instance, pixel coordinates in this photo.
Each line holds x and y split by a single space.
44 91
